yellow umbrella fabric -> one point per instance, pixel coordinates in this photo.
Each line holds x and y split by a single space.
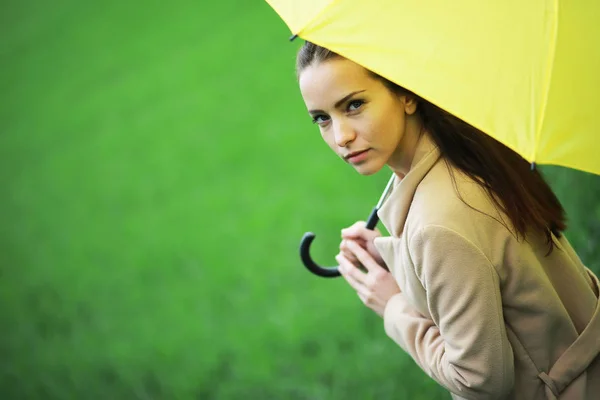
525 72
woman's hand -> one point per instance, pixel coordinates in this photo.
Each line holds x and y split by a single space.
376 286
365 238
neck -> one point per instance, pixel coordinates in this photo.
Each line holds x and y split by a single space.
401 159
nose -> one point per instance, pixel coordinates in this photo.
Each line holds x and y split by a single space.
343 133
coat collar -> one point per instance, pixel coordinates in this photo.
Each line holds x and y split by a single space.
395 208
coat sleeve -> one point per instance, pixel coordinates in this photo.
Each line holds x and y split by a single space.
463 346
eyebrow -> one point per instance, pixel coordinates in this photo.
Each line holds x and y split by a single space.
339 102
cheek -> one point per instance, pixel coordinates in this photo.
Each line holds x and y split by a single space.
328 138
394 125
383 127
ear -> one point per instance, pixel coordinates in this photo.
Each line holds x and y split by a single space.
410 103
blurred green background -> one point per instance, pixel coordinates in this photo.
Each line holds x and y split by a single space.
158 170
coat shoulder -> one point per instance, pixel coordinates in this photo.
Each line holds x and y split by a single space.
448 198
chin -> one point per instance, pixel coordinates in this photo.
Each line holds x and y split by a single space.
367 173
368 169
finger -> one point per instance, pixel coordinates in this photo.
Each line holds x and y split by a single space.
364 298
350 257
357 227
360 289
352 274
344 243
353 231
359 231
348 253
364 257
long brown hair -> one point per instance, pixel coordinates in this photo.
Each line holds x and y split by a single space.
517 189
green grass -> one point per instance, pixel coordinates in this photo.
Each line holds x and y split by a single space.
157 171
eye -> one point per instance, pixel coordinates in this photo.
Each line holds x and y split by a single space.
355 105
320 119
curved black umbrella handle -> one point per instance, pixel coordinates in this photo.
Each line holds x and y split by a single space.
327 272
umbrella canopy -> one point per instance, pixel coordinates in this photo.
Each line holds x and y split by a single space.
526 73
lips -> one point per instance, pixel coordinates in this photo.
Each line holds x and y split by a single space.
356 156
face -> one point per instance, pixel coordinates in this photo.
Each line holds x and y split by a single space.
360 119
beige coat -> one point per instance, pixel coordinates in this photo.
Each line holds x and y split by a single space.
485 315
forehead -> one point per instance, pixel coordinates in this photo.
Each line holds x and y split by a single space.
324 83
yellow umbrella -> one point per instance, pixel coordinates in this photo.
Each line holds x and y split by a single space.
525 72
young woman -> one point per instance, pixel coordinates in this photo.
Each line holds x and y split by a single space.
476 282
